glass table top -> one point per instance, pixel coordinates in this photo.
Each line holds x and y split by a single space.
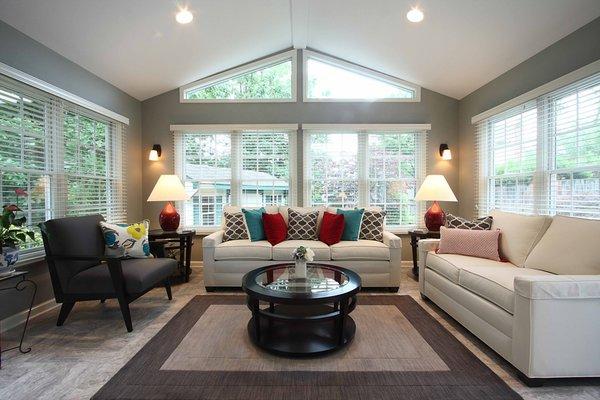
284 278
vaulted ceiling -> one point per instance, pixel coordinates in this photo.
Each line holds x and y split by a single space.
137 46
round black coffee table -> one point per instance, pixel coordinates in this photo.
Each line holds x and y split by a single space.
296 316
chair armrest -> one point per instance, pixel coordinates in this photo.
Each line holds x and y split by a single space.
391 240
547 287
105 258
213 240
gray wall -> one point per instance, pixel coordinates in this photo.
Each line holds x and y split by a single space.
27 55
163 110
568 54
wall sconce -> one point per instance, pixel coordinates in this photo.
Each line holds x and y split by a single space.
445 152
155 153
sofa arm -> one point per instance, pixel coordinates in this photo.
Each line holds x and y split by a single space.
558 287
424 247
213 240
391 240
555 321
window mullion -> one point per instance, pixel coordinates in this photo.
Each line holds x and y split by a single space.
362 162
236 167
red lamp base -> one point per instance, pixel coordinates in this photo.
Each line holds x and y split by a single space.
435 217
169 218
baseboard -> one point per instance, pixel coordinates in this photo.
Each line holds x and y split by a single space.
15 320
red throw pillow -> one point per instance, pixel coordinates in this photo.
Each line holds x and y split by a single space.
482 244
275 228
332 228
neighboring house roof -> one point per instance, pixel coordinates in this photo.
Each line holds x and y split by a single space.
210 173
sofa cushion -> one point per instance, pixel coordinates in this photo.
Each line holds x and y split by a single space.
360 250
469 242
302 226
332 228
449 265
495 283
520 233
569 247
284 210
235 227
352 220
454 221
371 227
139 275
243 250
283 251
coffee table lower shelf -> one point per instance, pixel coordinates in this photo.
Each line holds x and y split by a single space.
301 331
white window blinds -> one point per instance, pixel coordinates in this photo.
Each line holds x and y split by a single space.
544 156
243 166
354 166
58 159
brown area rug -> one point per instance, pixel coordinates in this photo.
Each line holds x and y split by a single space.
399 352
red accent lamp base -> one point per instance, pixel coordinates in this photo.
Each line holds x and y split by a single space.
435 217
169 218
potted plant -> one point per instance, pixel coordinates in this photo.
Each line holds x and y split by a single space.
301 255
12 232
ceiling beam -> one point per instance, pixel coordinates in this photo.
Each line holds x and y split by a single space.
299 13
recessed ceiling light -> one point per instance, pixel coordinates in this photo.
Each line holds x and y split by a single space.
184 16
415 15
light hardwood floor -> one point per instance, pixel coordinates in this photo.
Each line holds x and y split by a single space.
75 360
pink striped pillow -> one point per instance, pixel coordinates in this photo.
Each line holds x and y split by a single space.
482 244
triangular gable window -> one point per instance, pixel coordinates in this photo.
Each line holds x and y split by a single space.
332 79
269 80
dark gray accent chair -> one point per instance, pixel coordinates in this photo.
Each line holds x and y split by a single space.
80 270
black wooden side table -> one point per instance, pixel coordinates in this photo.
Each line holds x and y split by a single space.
21 284
162 241
415 235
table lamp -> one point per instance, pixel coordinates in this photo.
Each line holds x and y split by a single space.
168 188
435 188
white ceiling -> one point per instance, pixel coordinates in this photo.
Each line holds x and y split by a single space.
137 45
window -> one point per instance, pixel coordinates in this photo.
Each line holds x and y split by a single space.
330 79
239 165
544 156
357 166
67 159
272 80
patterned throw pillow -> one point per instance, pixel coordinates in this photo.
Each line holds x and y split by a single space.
235 228
479 224
470 242
128 240
372 225
302 226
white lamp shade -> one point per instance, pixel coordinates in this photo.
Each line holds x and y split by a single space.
435 188
168 188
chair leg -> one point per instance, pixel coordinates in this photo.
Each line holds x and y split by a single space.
102 301
124 306
167 283
65 309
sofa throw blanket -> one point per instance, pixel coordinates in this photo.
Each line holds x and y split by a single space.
235 228
302 226
479 224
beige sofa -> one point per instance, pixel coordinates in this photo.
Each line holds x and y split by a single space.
541 309
225 263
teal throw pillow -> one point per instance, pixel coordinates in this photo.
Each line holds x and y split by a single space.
255 224
352 219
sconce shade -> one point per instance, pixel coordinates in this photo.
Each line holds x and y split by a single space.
155 153
445 152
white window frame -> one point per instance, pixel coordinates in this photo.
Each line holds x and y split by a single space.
56 192
362 160
290 55
355 68
538 98
233 129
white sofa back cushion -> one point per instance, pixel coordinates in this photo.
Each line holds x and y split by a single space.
520 233
569 247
